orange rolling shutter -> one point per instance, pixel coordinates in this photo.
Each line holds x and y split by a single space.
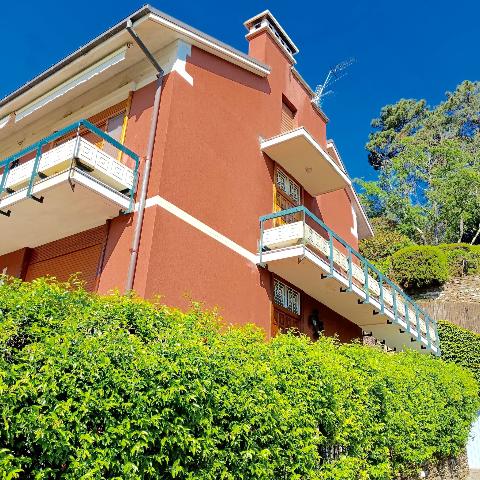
78 254
288 119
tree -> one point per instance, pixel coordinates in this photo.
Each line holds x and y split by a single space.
429 167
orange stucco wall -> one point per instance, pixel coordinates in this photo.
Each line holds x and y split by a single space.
207 163
333 323
15 262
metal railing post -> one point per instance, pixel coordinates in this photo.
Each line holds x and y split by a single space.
419 327
331 252
366 288
304 239
350 270
407 315
394 298
427 325
382 300
33 176
437 339
260 253
3 183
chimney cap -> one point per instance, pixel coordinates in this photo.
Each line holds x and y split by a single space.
266 19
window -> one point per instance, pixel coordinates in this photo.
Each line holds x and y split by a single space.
288 121
285 184
114 128
286 297
110 121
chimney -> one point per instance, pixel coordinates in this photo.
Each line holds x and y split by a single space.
266 22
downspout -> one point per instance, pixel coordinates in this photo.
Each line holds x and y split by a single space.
148 159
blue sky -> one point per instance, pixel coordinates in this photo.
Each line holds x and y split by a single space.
404 49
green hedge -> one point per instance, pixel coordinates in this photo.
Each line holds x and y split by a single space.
460 346
461 258
419 267
115 387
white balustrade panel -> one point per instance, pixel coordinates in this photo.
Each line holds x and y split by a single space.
284 236
97 159
104 167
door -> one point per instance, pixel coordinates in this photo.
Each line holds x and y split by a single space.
287 194
283 321
286 313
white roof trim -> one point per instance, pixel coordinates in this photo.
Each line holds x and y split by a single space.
351 191
271 17
215 47
203 40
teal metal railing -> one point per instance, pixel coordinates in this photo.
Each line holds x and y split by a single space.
413 326
80 128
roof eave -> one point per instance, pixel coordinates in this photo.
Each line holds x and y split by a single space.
146 10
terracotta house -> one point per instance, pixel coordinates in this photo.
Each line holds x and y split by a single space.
157 158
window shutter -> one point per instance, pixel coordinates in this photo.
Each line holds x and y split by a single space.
288 118
78 253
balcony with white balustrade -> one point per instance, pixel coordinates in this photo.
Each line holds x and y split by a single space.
64 184
299 247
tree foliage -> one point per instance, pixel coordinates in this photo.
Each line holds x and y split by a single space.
386 241
428 162
115 387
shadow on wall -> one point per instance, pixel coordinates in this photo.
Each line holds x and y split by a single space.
220 67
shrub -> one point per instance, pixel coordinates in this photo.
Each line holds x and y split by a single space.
419 267
460 346
115 387
462 258
386 242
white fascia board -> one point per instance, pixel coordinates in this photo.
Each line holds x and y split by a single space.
5 121
361 211
352 194
82 77
210 45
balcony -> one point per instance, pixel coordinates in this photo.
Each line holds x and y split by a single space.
299 247
68 182
303 158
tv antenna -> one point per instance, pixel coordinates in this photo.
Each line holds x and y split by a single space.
334 75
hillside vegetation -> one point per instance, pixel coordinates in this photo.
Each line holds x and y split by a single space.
415 266
460 346
116 387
